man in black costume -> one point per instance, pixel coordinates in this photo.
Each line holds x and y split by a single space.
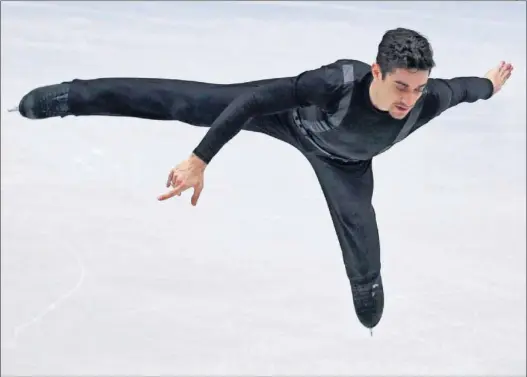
339 116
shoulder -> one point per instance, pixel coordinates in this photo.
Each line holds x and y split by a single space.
437 97
347 70
438 87
359 68
326 85
339 72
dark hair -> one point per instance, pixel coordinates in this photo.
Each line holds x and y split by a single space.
404 48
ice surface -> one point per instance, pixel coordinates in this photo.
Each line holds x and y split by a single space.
98 277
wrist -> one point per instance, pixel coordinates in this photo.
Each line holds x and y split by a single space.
197 162
492 87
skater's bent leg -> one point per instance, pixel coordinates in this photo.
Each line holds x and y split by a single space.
348 189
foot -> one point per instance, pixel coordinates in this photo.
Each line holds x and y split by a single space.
45 102
368 298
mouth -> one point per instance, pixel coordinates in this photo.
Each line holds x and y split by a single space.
402 108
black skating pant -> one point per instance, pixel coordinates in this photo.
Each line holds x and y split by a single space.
347 187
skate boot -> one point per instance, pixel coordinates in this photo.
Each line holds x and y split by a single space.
368 298
45 102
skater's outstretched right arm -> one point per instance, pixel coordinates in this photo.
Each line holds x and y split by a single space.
322 87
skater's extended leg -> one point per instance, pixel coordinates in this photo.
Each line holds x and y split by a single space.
195 103
192 102
348 189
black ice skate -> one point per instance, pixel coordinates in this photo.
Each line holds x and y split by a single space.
368 298
45 102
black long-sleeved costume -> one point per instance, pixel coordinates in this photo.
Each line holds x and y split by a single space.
325 113
335 111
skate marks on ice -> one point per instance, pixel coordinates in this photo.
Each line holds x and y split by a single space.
38 318
88 163
71 250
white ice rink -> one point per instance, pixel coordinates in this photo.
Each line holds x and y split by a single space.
98 277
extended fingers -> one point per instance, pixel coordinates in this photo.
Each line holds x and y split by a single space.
167 195
173 192
505 70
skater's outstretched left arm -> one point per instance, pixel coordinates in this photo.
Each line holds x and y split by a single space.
322 87
452 92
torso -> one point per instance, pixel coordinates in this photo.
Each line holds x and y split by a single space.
355 129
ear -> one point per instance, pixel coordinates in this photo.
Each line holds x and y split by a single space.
376 71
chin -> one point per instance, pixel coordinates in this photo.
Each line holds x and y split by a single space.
397 114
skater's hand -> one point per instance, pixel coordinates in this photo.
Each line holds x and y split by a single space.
499 75
184 176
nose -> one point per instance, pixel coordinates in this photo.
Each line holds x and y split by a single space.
409 99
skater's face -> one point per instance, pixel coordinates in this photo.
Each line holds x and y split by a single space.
399 90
